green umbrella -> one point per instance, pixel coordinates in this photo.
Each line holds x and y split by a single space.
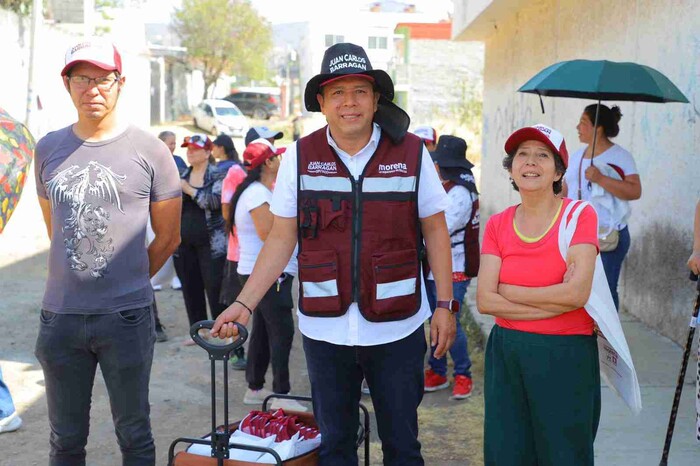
603 80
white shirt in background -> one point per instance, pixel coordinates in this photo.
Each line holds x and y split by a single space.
615 155
250 243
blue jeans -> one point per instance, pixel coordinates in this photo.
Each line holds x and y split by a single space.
612 263
459 351
69 348
7 407
394 373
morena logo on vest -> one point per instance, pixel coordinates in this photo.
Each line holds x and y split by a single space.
393 168
322 167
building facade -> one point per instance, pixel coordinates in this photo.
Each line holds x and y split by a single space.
522 37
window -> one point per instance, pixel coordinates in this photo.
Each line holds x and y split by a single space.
374 42
332 39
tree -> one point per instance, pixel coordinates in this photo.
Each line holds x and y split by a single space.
223 36
21 7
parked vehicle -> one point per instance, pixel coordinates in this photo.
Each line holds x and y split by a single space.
258 105
220 116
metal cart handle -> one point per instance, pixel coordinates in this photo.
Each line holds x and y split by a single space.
217 351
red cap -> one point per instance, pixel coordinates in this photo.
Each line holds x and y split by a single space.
94 51
257 152
544 134
201 141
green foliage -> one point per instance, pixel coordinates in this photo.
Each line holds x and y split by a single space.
21 7
469 110
223 36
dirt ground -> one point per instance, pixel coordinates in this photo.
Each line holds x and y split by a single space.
451 432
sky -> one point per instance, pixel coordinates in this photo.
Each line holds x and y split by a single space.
287 11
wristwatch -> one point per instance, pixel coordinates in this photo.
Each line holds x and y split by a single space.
452 305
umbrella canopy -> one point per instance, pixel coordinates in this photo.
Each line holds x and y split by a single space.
16 151
604 80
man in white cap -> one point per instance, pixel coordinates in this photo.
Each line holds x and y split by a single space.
360 196
98 181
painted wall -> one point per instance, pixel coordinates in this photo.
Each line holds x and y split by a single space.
664 138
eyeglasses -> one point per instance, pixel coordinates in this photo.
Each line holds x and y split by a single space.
103 83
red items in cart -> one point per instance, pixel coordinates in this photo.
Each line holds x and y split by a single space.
265 424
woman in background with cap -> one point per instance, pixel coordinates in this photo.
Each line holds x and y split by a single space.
225 153
202 253
609 180
273 328
542 381
230 284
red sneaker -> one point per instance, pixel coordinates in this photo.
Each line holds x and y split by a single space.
435 382
462 388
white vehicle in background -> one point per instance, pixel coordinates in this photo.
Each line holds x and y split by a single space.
220 116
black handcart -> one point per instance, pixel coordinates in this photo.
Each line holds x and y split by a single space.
220 436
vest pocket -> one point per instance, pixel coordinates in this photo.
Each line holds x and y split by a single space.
395 282
318 277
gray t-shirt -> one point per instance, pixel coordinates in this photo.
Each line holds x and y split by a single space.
100 195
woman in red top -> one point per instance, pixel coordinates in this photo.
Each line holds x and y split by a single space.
542 382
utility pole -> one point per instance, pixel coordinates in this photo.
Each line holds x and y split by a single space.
37 20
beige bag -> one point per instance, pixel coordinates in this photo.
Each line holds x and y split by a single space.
608 242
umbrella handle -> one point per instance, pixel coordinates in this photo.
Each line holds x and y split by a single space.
595 136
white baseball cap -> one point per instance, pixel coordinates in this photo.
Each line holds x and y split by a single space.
546 135
94 51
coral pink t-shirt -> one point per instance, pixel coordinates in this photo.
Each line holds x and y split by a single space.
234 177
539 264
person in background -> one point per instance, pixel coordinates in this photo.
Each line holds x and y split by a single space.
169 269
610 182
257 132
225 152
9 419
168 137
428 135
202 254
297 126
98 181
542 378
231 285
273 329
462 216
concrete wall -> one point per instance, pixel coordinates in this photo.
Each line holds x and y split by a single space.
664 139
442 74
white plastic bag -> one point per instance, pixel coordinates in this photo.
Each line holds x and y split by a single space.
616 366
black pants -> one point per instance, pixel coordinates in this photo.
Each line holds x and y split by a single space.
69 348
394 373
271 337
200 273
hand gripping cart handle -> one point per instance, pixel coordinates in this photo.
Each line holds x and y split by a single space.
219 439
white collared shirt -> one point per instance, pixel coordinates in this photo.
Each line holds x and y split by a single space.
352 329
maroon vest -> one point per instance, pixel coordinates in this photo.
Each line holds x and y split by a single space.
359 240
469 237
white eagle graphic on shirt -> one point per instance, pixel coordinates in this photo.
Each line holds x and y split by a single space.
85 230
